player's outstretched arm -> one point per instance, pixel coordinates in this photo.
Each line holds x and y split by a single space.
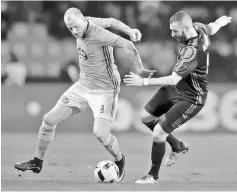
220 22
183 67
135 80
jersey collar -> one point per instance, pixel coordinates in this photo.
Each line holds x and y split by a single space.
88 23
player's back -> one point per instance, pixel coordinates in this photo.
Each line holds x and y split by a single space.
98 71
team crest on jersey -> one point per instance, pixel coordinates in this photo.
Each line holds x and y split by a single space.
82 54
64 99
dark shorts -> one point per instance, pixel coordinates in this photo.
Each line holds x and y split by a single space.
172 108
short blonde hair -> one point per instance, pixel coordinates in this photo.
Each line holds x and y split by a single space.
74 11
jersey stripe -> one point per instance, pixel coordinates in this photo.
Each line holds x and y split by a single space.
114 106
115 42
198 85
110 62
178 122
108 67
195 83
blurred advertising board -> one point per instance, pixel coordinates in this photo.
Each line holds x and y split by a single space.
23 109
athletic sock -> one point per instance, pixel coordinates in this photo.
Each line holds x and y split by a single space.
111 144
157 154
174 142
152 124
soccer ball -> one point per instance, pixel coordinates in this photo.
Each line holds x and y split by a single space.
106 172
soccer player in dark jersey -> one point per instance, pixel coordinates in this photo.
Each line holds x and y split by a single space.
184 92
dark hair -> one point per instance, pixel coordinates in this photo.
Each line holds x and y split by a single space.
181 16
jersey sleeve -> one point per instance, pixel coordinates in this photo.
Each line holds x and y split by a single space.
102 22
104 37
187 62
200 26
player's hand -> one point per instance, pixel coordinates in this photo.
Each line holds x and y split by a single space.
135 35
146 73
133 79
223 20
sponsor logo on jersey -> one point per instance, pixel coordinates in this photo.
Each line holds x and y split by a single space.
65 100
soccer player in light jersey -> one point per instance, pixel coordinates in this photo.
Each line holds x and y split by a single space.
97 87
184 92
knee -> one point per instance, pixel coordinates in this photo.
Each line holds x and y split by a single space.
145 116
49 120
159 135
47 130
100 137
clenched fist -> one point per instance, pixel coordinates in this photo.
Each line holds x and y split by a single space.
135 35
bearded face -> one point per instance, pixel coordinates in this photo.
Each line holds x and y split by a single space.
179 32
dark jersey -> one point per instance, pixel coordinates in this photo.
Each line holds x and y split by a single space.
192 65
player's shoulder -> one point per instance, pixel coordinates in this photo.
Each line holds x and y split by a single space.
93 29
94 20
202 28
198 26
188 52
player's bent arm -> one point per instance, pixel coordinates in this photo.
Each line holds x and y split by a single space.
103 22
112 23
220 22
167 80
132 52
104 37
120 26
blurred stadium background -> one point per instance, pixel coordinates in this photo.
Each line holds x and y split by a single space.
38 48
38 53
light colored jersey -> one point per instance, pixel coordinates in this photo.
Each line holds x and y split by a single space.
98 71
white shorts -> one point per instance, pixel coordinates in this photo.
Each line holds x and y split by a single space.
103 103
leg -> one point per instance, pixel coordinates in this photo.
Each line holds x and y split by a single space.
157 154
158 147
102 132
69 104
104 106
47 129
176 116
179 114
157 106
46 135
149 120
175 143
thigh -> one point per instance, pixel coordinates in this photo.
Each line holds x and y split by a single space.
179 114
59 113
103 104
75 96
160 103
